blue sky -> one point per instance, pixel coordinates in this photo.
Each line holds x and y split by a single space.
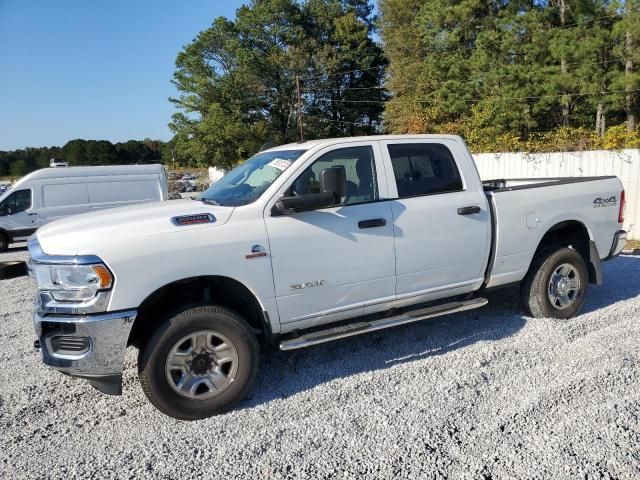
93 69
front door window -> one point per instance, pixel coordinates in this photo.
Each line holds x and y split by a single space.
17 202
360 172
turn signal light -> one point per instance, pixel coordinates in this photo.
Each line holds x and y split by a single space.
103 275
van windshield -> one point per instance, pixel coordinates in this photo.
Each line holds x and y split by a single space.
245 183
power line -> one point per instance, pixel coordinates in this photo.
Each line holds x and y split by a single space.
326 120
577 24
530 97
360 124
380 87
342 73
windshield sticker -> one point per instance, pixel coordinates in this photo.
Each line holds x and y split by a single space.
280 164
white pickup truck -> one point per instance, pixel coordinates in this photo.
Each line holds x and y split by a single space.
303 244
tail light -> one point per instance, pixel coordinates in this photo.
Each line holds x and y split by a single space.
623 203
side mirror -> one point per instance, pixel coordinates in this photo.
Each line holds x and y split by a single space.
302 203
4 211
333 186
334 180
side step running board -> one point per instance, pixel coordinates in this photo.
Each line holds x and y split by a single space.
352 329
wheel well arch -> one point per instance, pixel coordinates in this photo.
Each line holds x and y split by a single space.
219 290
574 234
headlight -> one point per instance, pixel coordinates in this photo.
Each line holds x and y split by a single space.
71 283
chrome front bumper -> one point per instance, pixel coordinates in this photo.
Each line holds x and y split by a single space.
86 346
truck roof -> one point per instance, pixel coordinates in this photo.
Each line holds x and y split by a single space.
308 144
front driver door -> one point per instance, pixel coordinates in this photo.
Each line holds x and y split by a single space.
331 263
18 219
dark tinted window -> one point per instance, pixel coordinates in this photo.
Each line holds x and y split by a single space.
17 202
424 169
360 172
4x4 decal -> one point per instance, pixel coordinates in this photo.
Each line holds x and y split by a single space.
605 202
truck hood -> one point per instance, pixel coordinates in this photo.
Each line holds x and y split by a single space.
84 234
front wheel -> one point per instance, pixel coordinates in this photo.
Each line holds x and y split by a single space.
556 284
199 363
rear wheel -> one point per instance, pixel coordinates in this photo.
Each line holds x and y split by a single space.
199 363
556 284
4 243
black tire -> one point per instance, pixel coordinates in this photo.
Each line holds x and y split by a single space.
535 288
4 243
153 356
12 270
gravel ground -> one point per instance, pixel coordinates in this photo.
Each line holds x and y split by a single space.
490 394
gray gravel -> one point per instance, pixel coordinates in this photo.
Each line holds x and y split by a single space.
490 394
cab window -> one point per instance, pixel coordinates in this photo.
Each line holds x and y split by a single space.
17 202
360 172
424 169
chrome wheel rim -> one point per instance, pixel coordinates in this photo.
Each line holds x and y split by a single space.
564 286
202 365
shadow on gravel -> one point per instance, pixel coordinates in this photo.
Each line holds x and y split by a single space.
286 373
621 282
283 374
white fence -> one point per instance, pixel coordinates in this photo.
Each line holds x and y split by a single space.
625 164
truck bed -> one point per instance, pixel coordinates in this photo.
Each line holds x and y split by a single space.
525 209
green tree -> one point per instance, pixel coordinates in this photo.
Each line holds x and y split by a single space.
243 71
515 67
19 167
627 31
237 78
343 91
74 151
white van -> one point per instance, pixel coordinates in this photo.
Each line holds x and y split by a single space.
53 193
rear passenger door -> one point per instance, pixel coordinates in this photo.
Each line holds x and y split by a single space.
440 250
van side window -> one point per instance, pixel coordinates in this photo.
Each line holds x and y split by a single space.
64 195
17 202
424 169
360 171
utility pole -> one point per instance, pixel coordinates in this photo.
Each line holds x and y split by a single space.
299 108
563 66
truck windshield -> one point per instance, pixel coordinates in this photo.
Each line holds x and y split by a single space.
245 183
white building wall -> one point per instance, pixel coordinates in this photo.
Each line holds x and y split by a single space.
625 164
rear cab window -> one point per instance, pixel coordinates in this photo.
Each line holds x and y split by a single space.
424 169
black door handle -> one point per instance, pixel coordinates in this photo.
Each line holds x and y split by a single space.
374 222
468 210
